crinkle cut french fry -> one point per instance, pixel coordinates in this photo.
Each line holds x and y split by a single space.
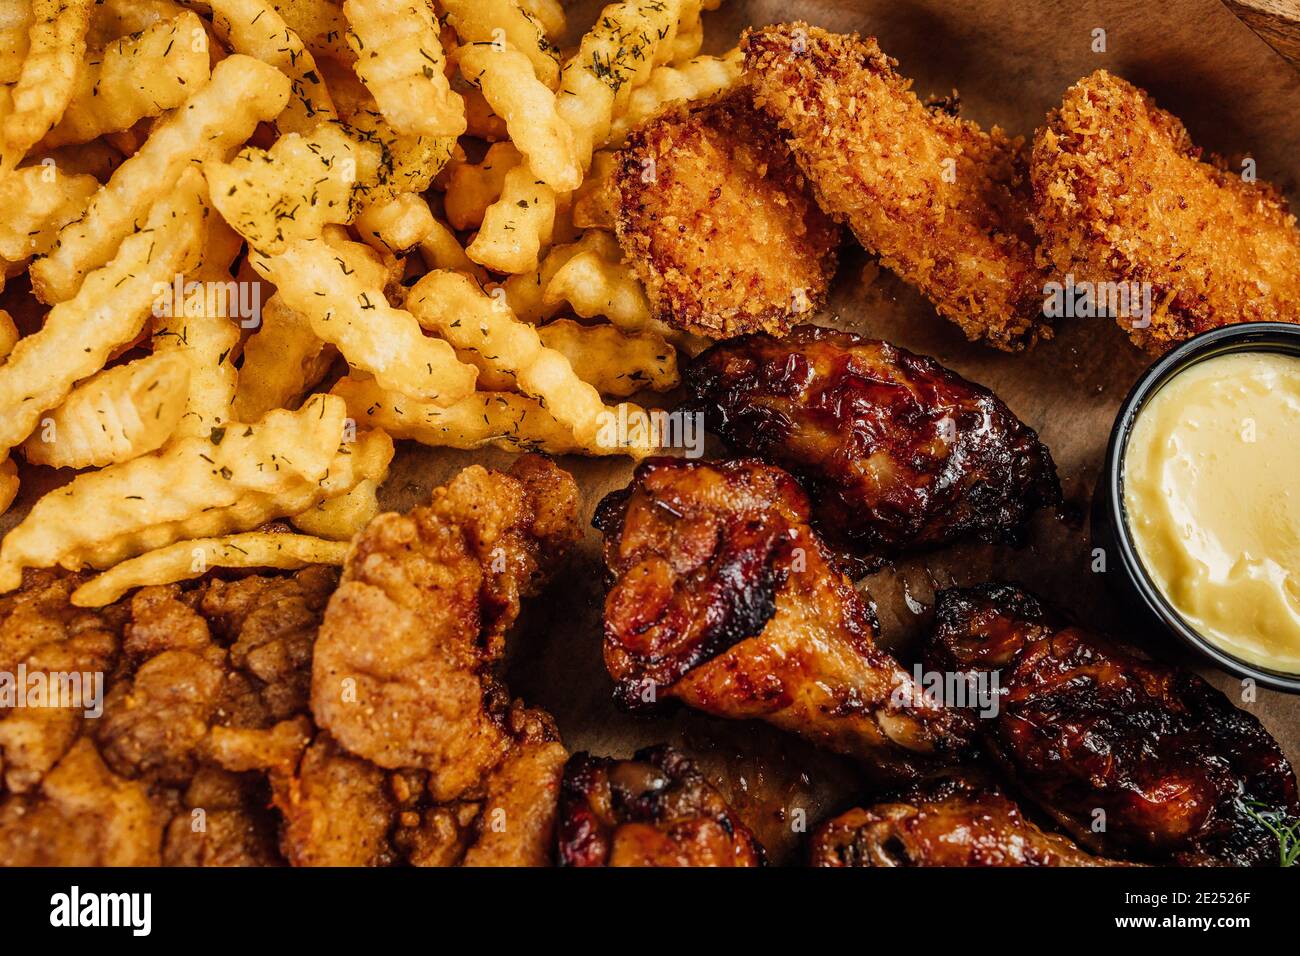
550 14
8 483
202 326
56 44
400 60
341 517
509 421
528 107
615 362
517 226
281 361
595 286
396 226
453 306
115 415
594 202
696 79
15 22
224 113
35 203
8 334
354 316
525 293
103 516
108 312
320 24
132 79
294 189
114 19
488 21
254 28
186 560
473 187
628 40
440 249
409 163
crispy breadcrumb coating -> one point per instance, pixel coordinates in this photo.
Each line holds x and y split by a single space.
1122 195
943 203
718 222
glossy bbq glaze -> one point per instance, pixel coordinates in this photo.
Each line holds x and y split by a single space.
1132 756
898 452
962 819
723 598
653 810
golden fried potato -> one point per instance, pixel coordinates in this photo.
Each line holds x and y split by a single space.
718 223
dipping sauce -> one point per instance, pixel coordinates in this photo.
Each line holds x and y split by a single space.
1212 496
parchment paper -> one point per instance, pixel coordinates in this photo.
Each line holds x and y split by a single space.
1011 62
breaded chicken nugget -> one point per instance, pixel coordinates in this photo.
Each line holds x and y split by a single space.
718 222
943 203
1123 196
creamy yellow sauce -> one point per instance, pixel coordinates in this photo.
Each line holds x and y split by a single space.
1212 494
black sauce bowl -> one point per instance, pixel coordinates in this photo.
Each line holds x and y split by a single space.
1125 572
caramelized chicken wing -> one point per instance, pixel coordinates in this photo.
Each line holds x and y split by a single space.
653 810
1132 756
718 222
898 452
956 820
724 598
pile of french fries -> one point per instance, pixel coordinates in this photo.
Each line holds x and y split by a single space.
268 237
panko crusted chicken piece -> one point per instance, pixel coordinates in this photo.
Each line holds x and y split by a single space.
145 781
402 682
1123 196
656 809
718 222
723 598
1089 726
898 452
954 820
942 202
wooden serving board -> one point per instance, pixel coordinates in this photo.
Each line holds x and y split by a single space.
1011 61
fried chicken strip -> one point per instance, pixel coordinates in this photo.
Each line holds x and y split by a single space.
1123 196
955 820
724 599
656 809
1097 732
718 222
943 203
898 452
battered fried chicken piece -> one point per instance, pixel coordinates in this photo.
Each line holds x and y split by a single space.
1122 195
943 203
223 822
83 815
1088 724
653 810
956 820
401 669
719 223
898 452
724 599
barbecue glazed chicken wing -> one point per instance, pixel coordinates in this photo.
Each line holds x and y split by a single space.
653 810
1132 756
957 820
724 599
898 452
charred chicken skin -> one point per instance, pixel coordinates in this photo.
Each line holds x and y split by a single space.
653 810
724 598
898 452
1134 757
957 820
